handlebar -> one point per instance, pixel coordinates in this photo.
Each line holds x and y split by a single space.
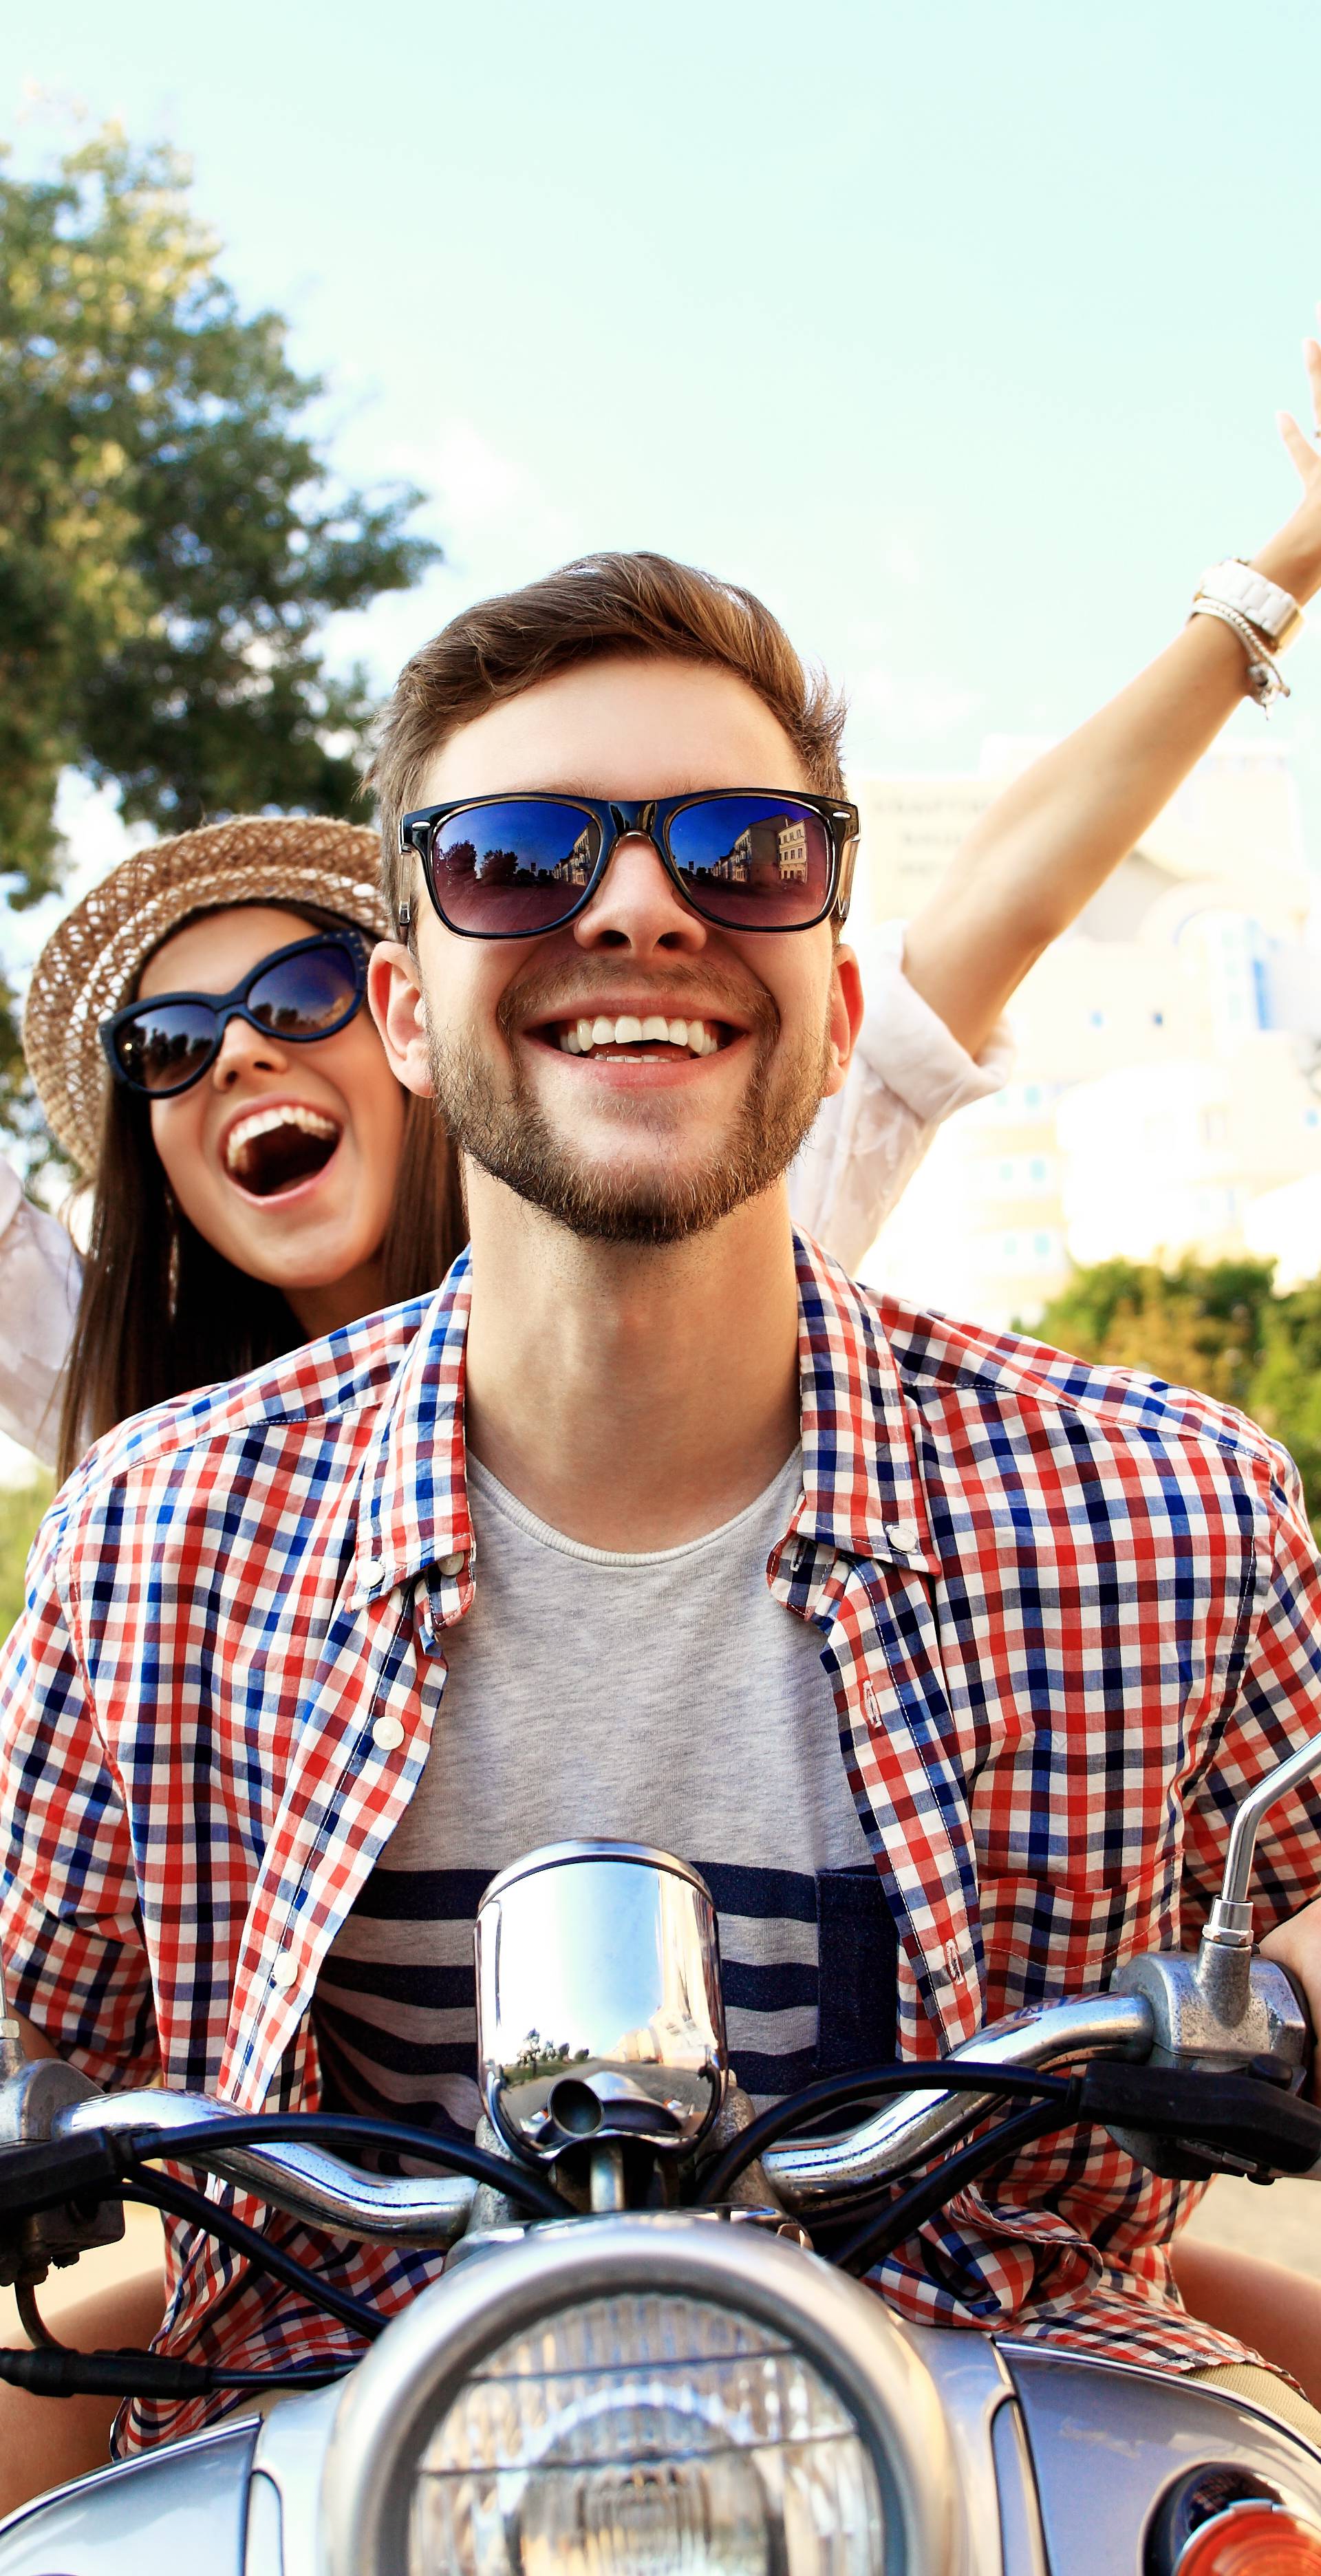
812 2180
306 2183
318 2188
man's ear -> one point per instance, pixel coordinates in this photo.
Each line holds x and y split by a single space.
394 990
845 1019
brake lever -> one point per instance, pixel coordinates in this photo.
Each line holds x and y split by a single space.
1188 2123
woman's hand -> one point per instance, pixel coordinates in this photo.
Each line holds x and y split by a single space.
1293 556
1297 1945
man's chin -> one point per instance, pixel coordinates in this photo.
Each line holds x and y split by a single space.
604 1202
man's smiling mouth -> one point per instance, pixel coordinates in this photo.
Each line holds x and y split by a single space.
624 1038
277 1148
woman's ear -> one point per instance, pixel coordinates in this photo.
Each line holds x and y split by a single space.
394 990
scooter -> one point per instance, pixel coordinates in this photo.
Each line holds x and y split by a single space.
650 2353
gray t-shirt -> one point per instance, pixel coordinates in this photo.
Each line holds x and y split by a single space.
664 1698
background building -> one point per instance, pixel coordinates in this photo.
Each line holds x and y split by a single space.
1167 1096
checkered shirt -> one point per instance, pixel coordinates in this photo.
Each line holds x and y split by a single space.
1069 1616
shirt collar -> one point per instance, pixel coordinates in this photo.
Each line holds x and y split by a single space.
414 1511
862 1489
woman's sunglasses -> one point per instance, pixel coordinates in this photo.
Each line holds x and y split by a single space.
297 995
513 867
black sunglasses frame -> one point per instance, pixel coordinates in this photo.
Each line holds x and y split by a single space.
617 817
234 1006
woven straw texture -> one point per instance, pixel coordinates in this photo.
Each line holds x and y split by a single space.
88 965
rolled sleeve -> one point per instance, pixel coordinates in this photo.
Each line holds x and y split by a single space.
69 1928
908 1073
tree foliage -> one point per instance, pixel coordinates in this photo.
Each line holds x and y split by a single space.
171 538
1217 1326
21 1507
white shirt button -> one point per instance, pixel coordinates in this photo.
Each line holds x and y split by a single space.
450 1564
284 1969
902 1534
388 1734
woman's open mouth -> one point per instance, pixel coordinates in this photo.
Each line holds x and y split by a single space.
276 1149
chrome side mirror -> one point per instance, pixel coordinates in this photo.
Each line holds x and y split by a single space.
1226 2005
599 2012
1229 1924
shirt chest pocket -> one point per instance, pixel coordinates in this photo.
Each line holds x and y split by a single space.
1048 1936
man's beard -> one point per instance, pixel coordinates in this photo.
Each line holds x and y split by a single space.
500 1124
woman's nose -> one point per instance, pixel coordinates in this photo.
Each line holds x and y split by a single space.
637 906
245 1050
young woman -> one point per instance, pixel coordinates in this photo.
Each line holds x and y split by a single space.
212 1249
235 1233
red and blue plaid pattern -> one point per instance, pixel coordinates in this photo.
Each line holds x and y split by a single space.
1069 1617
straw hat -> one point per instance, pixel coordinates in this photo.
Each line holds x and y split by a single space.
88 965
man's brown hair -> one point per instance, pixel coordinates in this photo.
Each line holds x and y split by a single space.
644 604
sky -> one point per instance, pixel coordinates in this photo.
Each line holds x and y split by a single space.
957 332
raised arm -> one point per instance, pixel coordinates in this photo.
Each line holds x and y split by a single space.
1027 869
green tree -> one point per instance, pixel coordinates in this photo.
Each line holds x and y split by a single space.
1200 1324
172 540
21 1507
1285 1393
1212 1325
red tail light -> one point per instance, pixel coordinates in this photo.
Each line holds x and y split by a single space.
1252 2539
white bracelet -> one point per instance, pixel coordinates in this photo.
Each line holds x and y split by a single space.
1265 678
1274 612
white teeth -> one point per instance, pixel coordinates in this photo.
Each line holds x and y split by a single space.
262 1122
580 1036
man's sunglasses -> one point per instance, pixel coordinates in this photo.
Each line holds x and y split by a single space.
513 867
296 995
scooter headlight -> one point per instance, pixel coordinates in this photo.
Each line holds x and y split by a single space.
641 2396
640 2434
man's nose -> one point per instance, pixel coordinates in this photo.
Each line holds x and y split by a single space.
244 1049
637 906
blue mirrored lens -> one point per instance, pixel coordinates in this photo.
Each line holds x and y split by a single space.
752 862
303 997
513 867
166 1044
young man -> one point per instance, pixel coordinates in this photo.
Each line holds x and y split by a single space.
944 1656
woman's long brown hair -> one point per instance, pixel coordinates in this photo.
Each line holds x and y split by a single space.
162 1311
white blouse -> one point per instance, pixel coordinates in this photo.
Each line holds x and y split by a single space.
907 1074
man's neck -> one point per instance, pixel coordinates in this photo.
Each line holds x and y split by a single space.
632 1397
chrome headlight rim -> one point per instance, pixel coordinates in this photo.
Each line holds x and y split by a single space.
400 2391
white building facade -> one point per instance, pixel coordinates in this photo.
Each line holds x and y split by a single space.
1164 1100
